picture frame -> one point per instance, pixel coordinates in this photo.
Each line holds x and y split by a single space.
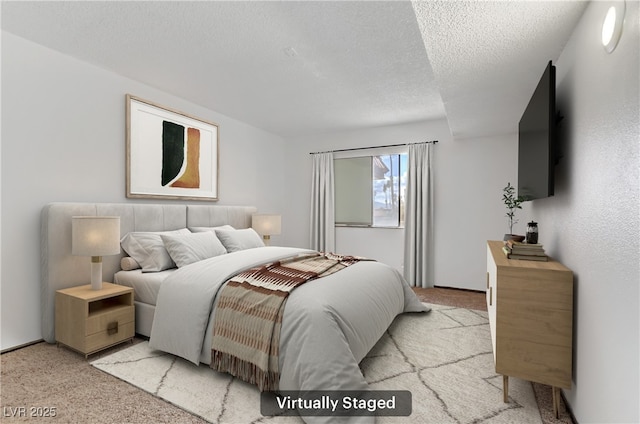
169 154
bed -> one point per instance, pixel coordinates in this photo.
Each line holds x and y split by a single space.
328 326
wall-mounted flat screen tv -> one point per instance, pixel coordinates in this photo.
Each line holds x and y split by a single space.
537 140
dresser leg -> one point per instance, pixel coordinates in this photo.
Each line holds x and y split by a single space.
505 388
556 401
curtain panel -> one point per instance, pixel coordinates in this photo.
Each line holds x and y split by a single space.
322 203
418 252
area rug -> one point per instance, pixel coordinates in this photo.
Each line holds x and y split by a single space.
443 358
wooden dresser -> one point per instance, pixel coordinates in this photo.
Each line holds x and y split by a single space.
530 305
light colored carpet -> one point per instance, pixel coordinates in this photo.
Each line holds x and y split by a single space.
444 358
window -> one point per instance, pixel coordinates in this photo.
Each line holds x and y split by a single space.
369 190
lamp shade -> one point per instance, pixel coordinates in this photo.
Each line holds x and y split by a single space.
95 235
266 225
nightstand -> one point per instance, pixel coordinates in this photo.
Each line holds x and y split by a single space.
88 321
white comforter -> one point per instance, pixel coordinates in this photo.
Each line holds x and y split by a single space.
328 326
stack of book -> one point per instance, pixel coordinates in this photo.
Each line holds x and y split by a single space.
527 251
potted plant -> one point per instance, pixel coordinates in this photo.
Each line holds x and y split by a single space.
512 203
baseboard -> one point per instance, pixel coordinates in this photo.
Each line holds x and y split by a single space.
459 289
11 349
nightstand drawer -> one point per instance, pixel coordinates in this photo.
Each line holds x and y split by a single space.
98 341
97 323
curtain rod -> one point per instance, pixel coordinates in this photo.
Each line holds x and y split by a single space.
374 147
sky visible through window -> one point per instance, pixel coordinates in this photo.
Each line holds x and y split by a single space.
389 183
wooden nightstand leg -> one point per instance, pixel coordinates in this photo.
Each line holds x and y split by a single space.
505 388
556 401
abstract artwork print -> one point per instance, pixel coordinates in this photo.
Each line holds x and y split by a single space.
170 154
180 157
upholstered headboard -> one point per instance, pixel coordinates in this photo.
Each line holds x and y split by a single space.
60 269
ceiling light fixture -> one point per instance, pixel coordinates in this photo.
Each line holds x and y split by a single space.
612 26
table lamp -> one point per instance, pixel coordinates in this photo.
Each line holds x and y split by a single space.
95 236
266 225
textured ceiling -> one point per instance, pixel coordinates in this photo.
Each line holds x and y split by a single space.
295 68
488 56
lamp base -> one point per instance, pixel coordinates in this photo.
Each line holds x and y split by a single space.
96 273
266 239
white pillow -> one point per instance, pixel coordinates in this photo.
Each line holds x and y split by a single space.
147 248
234 240
211 229
188 248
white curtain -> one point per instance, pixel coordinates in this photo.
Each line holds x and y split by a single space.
418 252
322 203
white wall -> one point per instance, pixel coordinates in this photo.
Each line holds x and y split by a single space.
592 223
471 174
63 139
468 180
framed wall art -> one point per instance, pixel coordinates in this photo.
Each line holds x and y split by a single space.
170 155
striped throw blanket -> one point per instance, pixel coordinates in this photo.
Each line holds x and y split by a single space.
248 315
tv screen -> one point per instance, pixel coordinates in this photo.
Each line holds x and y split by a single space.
537 139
